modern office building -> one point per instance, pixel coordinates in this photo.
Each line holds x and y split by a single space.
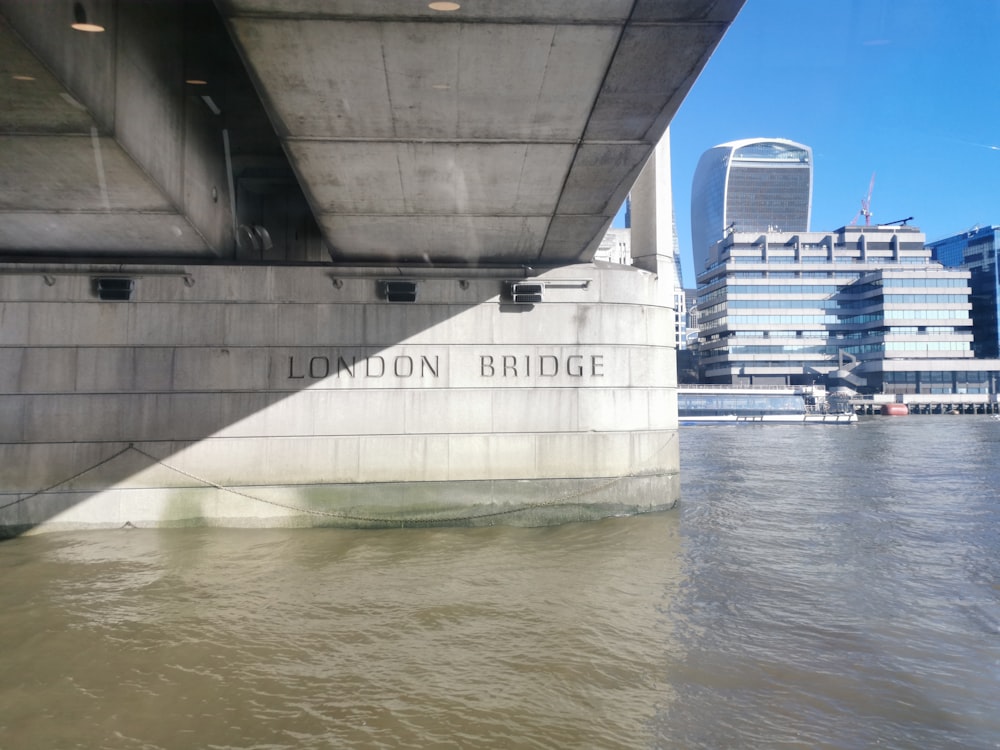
751 185
680 294
691 316
864 308
615 247
976 251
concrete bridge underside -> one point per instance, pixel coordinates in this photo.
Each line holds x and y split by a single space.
357 130
202 208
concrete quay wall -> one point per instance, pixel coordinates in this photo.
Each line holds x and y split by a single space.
930 403
297 395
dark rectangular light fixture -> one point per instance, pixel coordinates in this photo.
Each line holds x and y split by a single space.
114 288
523 292
398 291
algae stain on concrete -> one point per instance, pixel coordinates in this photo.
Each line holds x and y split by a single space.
184 507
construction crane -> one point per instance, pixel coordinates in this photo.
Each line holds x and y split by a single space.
866 206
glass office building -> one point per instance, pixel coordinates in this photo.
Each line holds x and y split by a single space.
752 185
976 251
864 308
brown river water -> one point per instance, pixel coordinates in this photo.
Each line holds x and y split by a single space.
817 587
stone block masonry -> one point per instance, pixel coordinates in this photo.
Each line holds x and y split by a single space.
295 396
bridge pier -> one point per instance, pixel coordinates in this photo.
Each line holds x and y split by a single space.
277 396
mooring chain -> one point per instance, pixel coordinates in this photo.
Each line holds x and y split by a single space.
247 495
79 474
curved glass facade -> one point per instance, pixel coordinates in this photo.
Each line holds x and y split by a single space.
751 186
773 151
977 250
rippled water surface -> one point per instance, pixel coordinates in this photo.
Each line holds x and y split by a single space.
817 587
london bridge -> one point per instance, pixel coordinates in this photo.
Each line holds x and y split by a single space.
226 227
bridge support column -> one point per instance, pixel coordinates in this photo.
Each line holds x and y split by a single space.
294 396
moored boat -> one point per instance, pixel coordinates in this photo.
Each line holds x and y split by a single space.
712 404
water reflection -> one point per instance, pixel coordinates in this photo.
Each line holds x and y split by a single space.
817 588
492 637
822 588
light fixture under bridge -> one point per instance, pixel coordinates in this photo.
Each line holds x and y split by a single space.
80 22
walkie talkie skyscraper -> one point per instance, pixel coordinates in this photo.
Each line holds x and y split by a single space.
756 184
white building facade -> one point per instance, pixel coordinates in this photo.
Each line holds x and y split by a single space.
863 308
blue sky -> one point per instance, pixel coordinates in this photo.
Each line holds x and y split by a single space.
906 89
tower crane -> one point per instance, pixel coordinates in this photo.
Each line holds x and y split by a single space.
866 206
